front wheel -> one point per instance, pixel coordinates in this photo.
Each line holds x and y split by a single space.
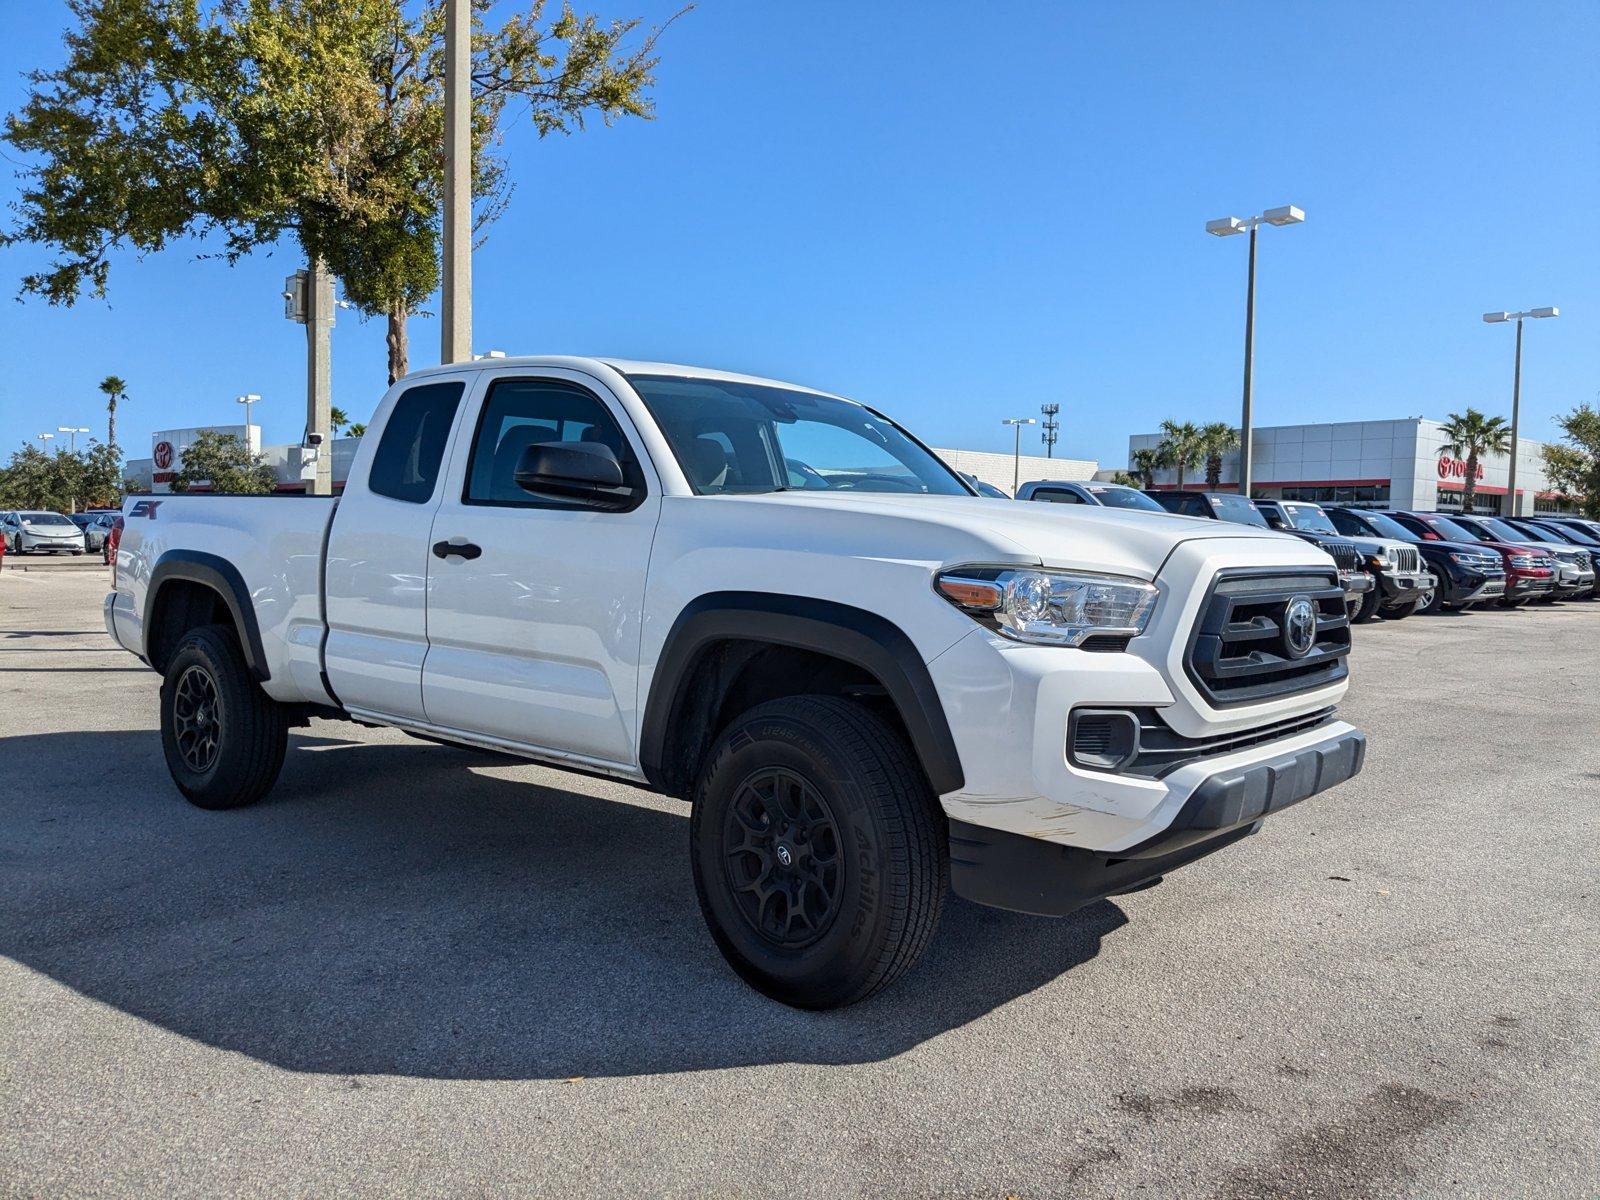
1365 609
223 737
819 852
1401 611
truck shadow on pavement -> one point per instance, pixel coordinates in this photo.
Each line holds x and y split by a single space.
390 910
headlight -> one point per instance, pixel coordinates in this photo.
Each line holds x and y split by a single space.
1056 608
1466 560
1378 562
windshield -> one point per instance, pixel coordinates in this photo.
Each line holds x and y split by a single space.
743 438
45 518
1501 532
1388 527
1534 533
1238 509
1309 517
1124 497
1450 531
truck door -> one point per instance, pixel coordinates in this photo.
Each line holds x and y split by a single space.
534 602
377 560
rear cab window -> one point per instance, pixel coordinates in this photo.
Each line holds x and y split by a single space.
406 464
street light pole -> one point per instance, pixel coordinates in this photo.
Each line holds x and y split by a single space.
73 431
1286 214
456 296
1495 318
247 401
1016 455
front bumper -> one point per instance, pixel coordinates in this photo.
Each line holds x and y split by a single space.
1519 587
1402 587
1356 584
1009 870
32 543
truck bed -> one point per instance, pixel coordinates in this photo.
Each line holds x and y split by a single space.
270 548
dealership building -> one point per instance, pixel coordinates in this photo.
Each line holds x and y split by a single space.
1373 464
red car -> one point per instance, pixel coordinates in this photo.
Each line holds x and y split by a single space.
1530 573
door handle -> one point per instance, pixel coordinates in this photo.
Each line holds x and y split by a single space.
461 549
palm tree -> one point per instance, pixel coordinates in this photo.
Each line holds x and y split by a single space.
1216 439
337 419
1180 445
1471 435
355 430
1145 463
116 389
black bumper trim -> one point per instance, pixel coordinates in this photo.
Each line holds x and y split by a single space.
1024 874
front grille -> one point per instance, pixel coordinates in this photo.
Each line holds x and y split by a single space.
1162 750
1239 652
1407 559
1345 555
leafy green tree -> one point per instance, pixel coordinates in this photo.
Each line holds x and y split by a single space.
1216 439
1575 467
356 430
337 419
62 481
1472 436
116 391
320 120
223 461
1145 463
1180 446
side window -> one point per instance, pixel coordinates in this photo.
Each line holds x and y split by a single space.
1057 496
406 463
519 413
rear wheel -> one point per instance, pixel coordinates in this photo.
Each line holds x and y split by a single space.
820 856
223 737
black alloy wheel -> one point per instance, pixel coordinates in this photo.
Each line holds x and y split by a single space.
197 718
782 857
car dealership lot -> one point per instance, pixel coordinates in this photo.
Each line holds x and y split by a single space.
422 969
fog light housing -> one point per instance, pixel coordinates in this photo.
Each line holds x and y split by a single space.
1102 739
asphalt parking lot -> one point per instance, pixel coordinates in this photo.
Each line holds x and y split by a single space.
423 970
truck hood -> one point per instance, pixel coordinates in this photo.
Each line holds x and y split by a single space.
954 529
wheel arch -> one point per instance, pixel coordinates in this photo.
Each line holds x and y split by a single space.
183 583
718 636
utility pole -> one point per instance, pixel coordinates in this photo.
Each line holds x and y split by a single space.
1048 430
73 431
1016 456
308 299
456 298
1287 214
1495 318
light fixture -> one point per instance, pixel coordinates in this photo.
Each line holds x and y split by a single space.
1224 226
1288 214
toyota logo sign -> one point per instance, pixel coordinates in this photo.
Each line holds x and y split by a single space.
163 455
1299 626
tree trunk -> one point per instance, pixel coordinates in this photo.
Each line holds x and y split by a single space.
1469 485
1214 472
1180 466
111 423
399 348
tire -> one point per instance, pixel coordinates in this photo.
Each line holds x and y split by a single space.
1401 611
1366 609
850 803
1432 601
223 737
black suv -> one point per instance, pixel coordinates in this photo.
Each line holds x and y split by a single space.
1225 506
1404 582
1464 573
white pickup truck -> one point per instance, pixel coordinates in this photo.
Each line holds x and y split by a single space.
872 685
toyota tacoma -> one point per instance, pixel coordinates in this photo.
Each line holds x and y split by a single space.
871 685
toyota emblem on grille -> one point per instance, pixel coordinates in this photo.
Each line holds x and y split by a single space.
1299 626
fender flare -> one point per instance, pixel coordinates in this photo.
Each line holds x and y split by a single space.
853 635
222 577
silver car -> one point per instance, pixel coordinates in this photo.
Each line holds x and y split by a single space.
49 532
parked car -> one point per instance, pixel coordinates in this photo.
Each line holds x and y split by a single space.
1570 539
1224 506
1574 571
1568 521
1071 491
41 533
870 684
108 550
95 525
983 489
1404 582
1464 573
1530 573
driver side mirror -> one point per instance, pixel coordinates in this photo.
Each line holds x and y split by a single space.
587 472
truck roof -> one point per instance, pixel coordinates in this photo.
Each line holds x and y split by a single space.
624 366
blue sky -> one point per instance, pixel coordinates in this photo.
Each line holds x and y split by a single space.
960 212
